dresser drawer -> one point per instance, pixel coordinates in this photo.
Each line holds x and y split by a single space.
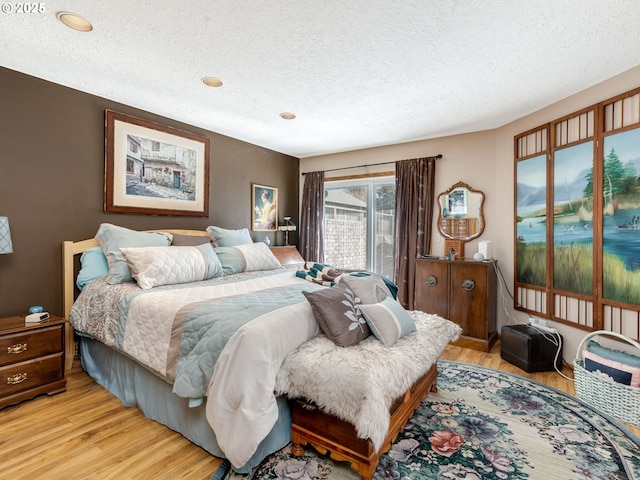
30 344
31 373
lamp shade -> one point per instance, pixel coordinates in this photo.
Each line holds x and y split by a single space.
5 236
286 227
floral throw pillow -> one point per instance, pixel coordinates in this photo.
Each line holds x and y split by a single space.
337 313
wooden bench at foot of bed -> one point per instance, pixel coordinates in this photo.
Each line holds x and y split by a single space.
325 432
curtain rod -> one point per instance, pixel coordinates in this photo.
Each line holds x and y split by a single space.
366 165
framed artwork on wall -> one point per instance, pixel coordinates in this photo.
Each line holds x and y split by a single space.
531 221
154 169
264 208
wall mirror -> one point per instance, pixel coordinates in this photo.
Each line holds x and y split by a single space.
461 216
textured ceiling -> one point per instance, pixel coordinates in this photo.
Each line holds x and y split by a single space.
357 73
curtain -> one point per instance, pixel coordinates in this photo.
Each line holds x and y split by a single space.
415 180
312 218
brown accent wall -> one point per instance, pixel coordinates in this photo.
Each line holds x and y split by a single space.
52 182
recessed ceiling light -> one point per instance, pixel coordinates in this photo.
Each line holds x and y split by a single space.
212 82
287 115
74 21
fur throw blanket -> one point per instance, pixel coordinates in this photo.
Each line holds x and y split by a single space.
358 384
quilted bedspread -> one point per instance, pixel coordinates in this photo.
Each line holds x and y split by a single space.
244 325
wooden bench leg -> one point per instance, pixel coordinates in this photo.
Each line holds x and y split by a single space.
296 445
366 471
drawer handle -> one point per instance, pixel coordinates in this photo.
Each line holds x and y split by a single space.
17 348
468 284
431 281
16 378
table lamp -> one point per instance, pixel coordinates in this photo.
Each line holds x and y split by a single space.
5 236
286 227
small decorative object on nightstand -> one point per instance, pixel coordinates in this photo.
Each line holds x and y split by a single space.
32 358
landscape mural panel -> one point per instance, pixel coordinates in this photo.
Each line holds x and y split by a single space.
531 220
573 219
621 217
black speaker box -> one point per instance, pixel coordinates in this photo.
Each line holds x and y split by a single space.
530 349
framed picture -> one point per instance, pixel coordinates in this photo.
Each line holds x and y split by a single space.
264 208
154 169
458 202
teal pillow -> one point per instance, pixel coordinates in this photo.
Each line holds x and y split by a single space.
112 238
388 320
615 355
229 238
93 265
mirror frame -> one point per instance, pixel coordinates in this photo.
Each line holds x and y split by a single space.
469 190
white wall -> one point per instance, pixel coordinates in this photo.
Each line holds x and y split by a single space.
485 161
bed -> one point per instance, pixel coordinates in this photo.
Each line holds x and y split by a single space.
149 338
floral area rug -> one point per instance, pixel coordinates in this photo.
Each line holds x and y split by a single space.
486 424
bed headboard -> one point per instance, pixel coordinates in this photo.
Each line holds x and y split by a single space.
69 250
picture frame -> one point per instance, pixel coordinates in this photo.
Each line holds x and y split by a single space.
264 208
458 202
154 169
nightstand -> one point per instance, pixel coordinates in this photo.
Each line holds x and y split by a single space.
288 256
31 358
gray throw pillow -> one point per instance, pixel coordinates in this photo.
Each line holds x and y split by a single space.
370 288
337 313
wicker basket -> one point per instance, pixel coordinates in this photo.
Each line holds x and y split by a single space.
615 399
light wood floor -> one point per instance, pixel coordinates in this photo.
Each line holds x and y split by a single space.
86 433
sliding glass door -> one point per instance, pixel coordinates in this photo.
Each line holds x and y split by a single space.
358 224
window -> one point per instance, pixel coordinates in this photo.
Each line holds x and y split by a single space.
358 224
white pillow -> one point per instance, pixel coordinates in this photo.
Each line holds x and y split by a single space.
156 266
257 256
388 320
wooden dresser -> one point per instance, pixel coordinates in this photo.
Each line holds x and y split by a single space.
463 291
31 358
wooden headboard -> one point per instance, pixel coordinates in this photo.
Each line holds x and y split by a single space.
69 250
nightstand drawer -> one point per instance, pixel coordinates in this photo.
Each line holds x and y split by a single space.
31 344
31 373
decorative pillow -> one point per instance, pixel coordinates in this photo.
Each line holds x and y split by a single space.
93 265
388 320
111 238
615 355
179 240
156 266
336 311
229 238
247 258
619 372
370 288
